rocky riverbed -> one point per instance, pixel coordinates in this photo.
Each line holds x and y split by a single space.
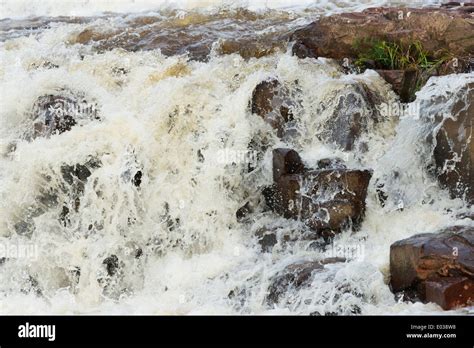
236 161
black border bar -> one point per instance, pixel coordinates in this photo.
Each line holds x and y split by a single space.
225 330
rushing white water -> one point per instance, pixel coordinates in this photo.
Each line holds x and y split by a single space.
173 119
26 8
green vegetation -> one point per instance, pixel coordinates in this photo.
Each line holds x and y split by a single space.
389 55
396 56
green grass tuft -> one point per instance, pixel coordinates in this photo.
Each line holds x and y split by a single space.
389 55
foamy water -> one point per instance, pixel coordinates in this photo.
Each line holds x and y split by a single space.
173 118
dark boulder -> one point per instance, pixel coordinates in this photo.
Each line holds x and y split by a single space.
453 152
74 182
437 267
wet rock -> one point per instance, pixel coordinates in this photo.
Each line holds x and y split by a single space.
77 172
195 35
453 153
267 239
437 29
294 277
138 253
328 200
333 216
134 171
449 293
244 211
271 101
355 112
327 163
56 114
435 266
286 161
381 193
137 179
257 148
466 216
112 264
253 47
75 177
403 82
24 228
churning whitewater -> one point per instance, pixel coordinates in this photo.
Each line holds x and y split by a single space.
132 209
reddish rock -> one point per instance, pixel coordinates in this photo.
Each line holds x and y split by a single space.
437 29
450 292
403 82
434 265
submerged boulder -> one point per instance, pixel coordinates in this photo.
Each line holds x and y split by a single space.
436 267
267 239
58 113
294 276
354 113
272 101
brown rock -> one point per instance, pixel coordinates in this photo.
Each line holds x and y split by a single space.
271 101
437 29
451 292
453 153
333 216
286 161
432 264
403 82
295 276
328 200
